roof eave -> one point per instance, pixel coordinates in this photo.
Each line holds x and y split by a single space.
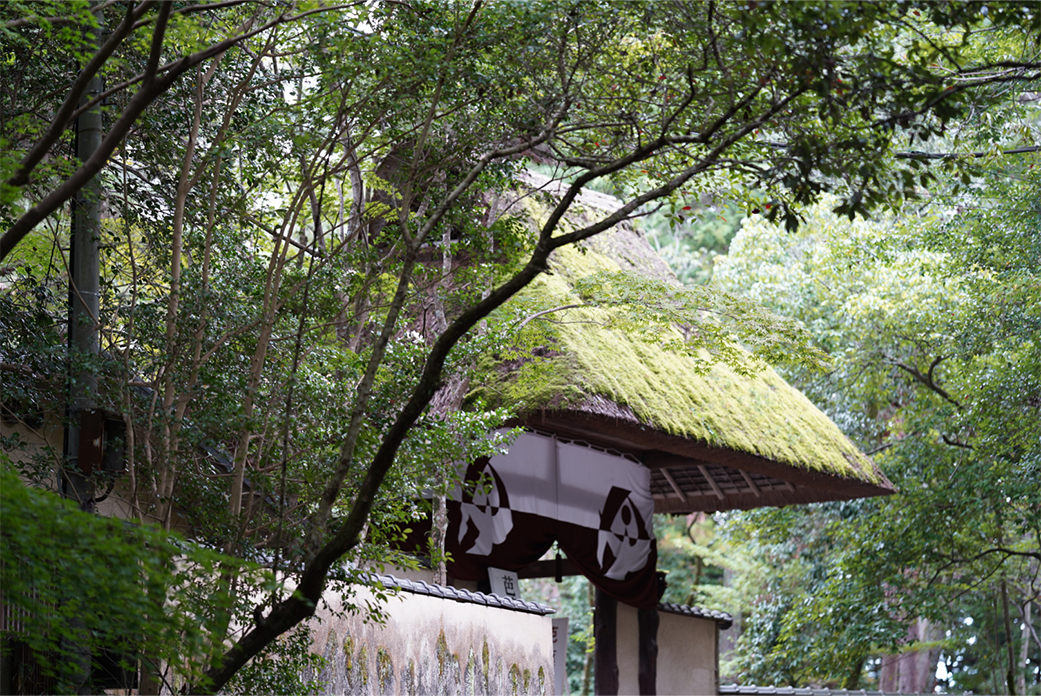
784 483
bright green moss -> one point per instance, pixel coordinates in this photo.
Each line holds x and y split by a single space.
363 664
760 415
443 654
515 680
384 668
485 660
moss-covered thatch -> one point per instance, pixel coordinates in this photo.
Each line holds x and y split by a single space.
601 372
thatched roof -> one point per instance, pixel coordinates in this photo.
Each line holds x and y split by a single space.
714 440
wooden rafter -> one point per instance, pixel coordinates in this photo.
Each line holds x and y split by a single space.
675 486
751 484
711 482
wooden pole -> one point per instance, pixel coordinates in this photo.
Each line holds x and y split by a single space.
84 281
648 620
606 633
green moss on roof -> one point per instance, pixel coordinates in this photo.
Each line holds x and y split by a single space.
760 415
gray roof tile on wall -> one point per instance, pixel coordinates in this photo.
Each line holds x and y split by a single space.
462 595
459 594
797 691
725 620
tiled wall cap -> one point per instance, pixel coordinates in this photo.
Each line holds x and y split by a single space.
794 691
725 620
462 595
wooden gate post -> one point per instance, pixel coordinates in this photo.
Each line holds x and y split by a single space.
648 677
605 630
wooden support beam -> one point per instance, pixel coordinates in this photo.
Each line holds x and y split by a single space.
605 630
647 620
675 486
748 480
711 482
548 569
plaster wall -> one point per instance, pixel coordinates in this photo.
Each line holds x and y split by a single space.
628 647
431 645
43 445
687 656
42 455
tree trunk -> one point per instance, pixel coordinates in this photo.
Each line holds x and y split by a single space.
913 671
587 667
1010 671
84 307
856 668
1024 651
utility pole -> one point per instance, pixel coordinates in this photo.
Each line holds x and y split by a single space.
84 327
83 438
93 439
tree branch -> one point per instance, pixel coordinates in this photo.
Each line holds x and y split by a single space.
66 111
1008 553
524 322
168 75
925 380
202 7
955 443
156 50
919 155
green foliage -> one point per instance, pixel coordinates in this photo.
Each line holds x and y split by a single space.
573 598
288 667
690 237
33 355
934 332
84 583
695 558
303 224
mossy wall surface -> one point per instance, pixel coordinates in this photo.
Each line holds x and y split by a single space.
671 392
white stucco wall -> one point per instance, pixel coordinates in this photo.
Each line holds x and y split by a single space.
688 658
628 655
687 654
43 453
431 645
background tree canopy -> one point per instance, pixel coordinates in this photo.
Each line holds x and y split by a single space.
933 328
303 246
